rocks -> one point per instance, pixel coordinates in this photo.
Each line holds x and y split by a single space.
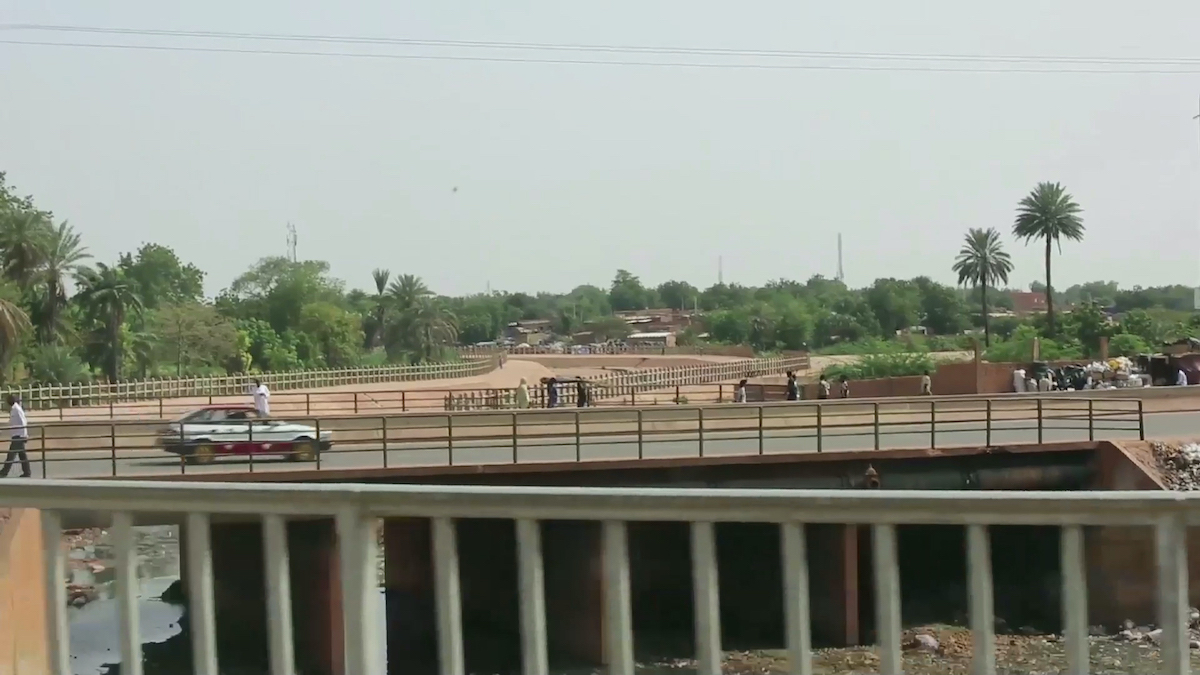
1179 464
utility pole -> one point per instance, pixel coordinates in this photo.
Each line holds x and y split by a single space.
840 275
291 242
720 271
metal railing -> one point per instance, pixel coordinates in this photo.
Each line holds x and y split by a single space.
44 396
93 449
356 511
681 384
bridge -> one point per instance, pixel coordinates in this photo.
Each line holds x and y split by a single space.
353 512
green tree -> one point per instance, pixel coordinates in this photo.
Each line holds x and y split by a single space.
14 323
1049 213
433 326
63 257
337 333
895 303
983 262
108 297
23 241
678 294
380 305
627 292
277 289
609 328
942 309
161 277
194 337
57 364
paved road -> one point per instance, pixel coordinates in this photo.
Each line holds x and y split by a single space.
367 455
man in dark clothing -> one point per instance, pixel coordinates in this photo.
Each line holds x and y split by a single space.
793 387
581 394
552 393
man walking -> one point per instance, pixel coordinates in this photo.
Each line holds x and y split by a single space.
262 399
793 387
18 430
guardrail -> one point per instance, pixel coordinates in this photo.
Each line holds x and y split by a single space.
44 396
645 386
356 511
92 449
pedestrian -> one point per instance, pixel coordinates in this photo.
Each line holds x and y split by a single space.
262 399
823 387
1181 379
19 434
793 387
552 393
523 394
845 387
926 384
739 392
581 393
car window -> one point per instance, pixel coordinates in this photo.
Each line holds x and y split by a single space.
216 415
197 416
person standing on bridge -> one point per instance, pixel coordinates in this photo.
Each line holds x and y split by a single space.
522 394
739 392
262 399
926 384
793 387
19 432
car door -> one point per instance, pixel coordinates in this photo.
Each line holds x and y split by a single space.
232 431
261 431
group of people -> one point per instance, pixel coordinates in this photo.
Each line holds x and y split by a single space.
583 396
824 388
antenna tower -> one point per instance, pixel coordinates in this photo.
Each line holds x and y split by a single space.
291 242
840 274
720 271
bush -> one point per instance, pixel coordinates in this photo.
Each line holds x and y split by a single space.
1125 344
1019 349
56 364
882 365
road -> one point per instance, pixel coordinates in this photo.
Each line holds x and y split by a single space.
434 452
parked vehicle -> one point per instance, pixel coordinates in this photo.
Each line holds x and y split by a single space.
205 434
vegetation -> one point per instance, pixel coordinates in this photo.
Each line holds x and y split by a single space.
873 366
66 317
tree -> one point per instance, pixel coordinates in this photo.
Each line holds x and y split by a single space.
609 328
23 239
161 277
983 262
277 289
433 326
336 332
108 297
14 325
379 311
193 336
1049 213
896 304
64 255
678 294
942 309
627 292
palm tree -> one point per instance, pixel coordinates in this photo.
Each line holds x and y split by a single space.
432 325
381 303
407 290
63 256
1051 214
108 296
983 261
14 324
23 240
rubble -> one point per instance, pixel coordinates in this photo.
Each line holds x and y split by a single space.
1179 464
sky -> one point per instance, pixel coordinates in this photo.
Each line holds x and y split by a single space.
542 176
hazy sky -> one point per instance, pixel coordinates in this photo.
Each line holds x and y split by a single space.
566 172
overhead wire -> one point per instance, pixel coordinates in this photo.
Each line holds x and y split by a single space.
781 59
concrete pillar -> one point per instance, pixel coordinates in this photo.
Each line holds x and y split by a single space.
833 583
316 596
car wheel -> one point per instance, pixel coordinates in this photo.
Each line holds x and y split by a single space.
203 454
304 450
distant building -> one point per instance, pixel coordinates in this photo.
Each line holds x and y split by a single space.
533 332
1026 303
655 339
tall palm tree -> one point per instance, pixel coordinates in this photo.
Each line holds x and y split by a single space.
14 324
981 262
1051 214
407 290
109 297
23 240
432 326
63 256
381 278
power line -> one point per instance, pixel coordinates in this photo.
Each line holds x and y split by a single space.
999 63
623 49
560 61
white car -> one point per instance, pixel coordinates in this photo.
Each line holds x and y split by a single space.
205 434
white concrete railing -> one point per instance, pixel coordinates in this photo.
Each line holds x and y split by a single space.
41 396
357 510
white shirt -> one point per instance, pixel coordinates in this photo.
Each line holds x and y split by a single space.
262 399
926 384
1181 379
17 422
